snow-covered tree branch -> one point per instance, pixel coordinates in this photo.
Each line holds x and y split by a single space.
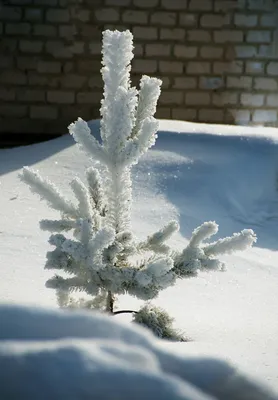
101 255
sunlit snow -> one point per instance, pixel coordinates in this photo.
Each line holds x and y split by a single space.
194 173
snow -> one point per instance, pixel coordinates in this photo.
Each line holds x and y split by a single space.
195 173
53 354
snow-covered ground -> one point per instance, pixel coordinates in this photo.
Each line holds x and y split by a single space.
194 173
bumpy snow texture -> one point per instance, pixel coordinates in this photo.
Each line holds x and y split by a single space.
52 354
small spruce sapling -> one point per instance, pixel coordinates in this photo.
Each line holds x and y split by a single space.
100 253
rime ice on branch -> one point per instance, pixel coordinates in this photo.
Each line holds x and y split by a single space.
99 256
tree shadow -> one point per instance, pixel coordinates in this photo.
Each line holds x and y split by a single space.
229 179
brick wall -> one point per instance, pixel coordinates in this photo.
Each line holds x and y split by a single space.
218 59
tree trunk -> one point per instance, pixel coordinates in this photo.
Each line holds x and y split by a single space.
110 302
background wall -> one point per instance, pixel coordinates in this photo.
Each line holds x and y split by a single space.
217 59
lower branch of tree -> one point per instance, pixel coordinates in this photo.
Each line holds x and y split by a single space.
124 312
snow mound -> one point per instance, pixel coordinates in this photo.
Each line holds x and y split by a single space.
51 354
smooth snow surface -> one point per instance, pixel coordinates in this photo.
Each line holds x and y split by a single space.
195 173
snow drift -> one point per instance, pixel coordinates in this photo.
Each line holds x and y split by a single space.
51 354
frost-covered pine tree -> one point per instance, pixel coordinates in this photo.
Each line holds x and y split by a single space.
93 241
